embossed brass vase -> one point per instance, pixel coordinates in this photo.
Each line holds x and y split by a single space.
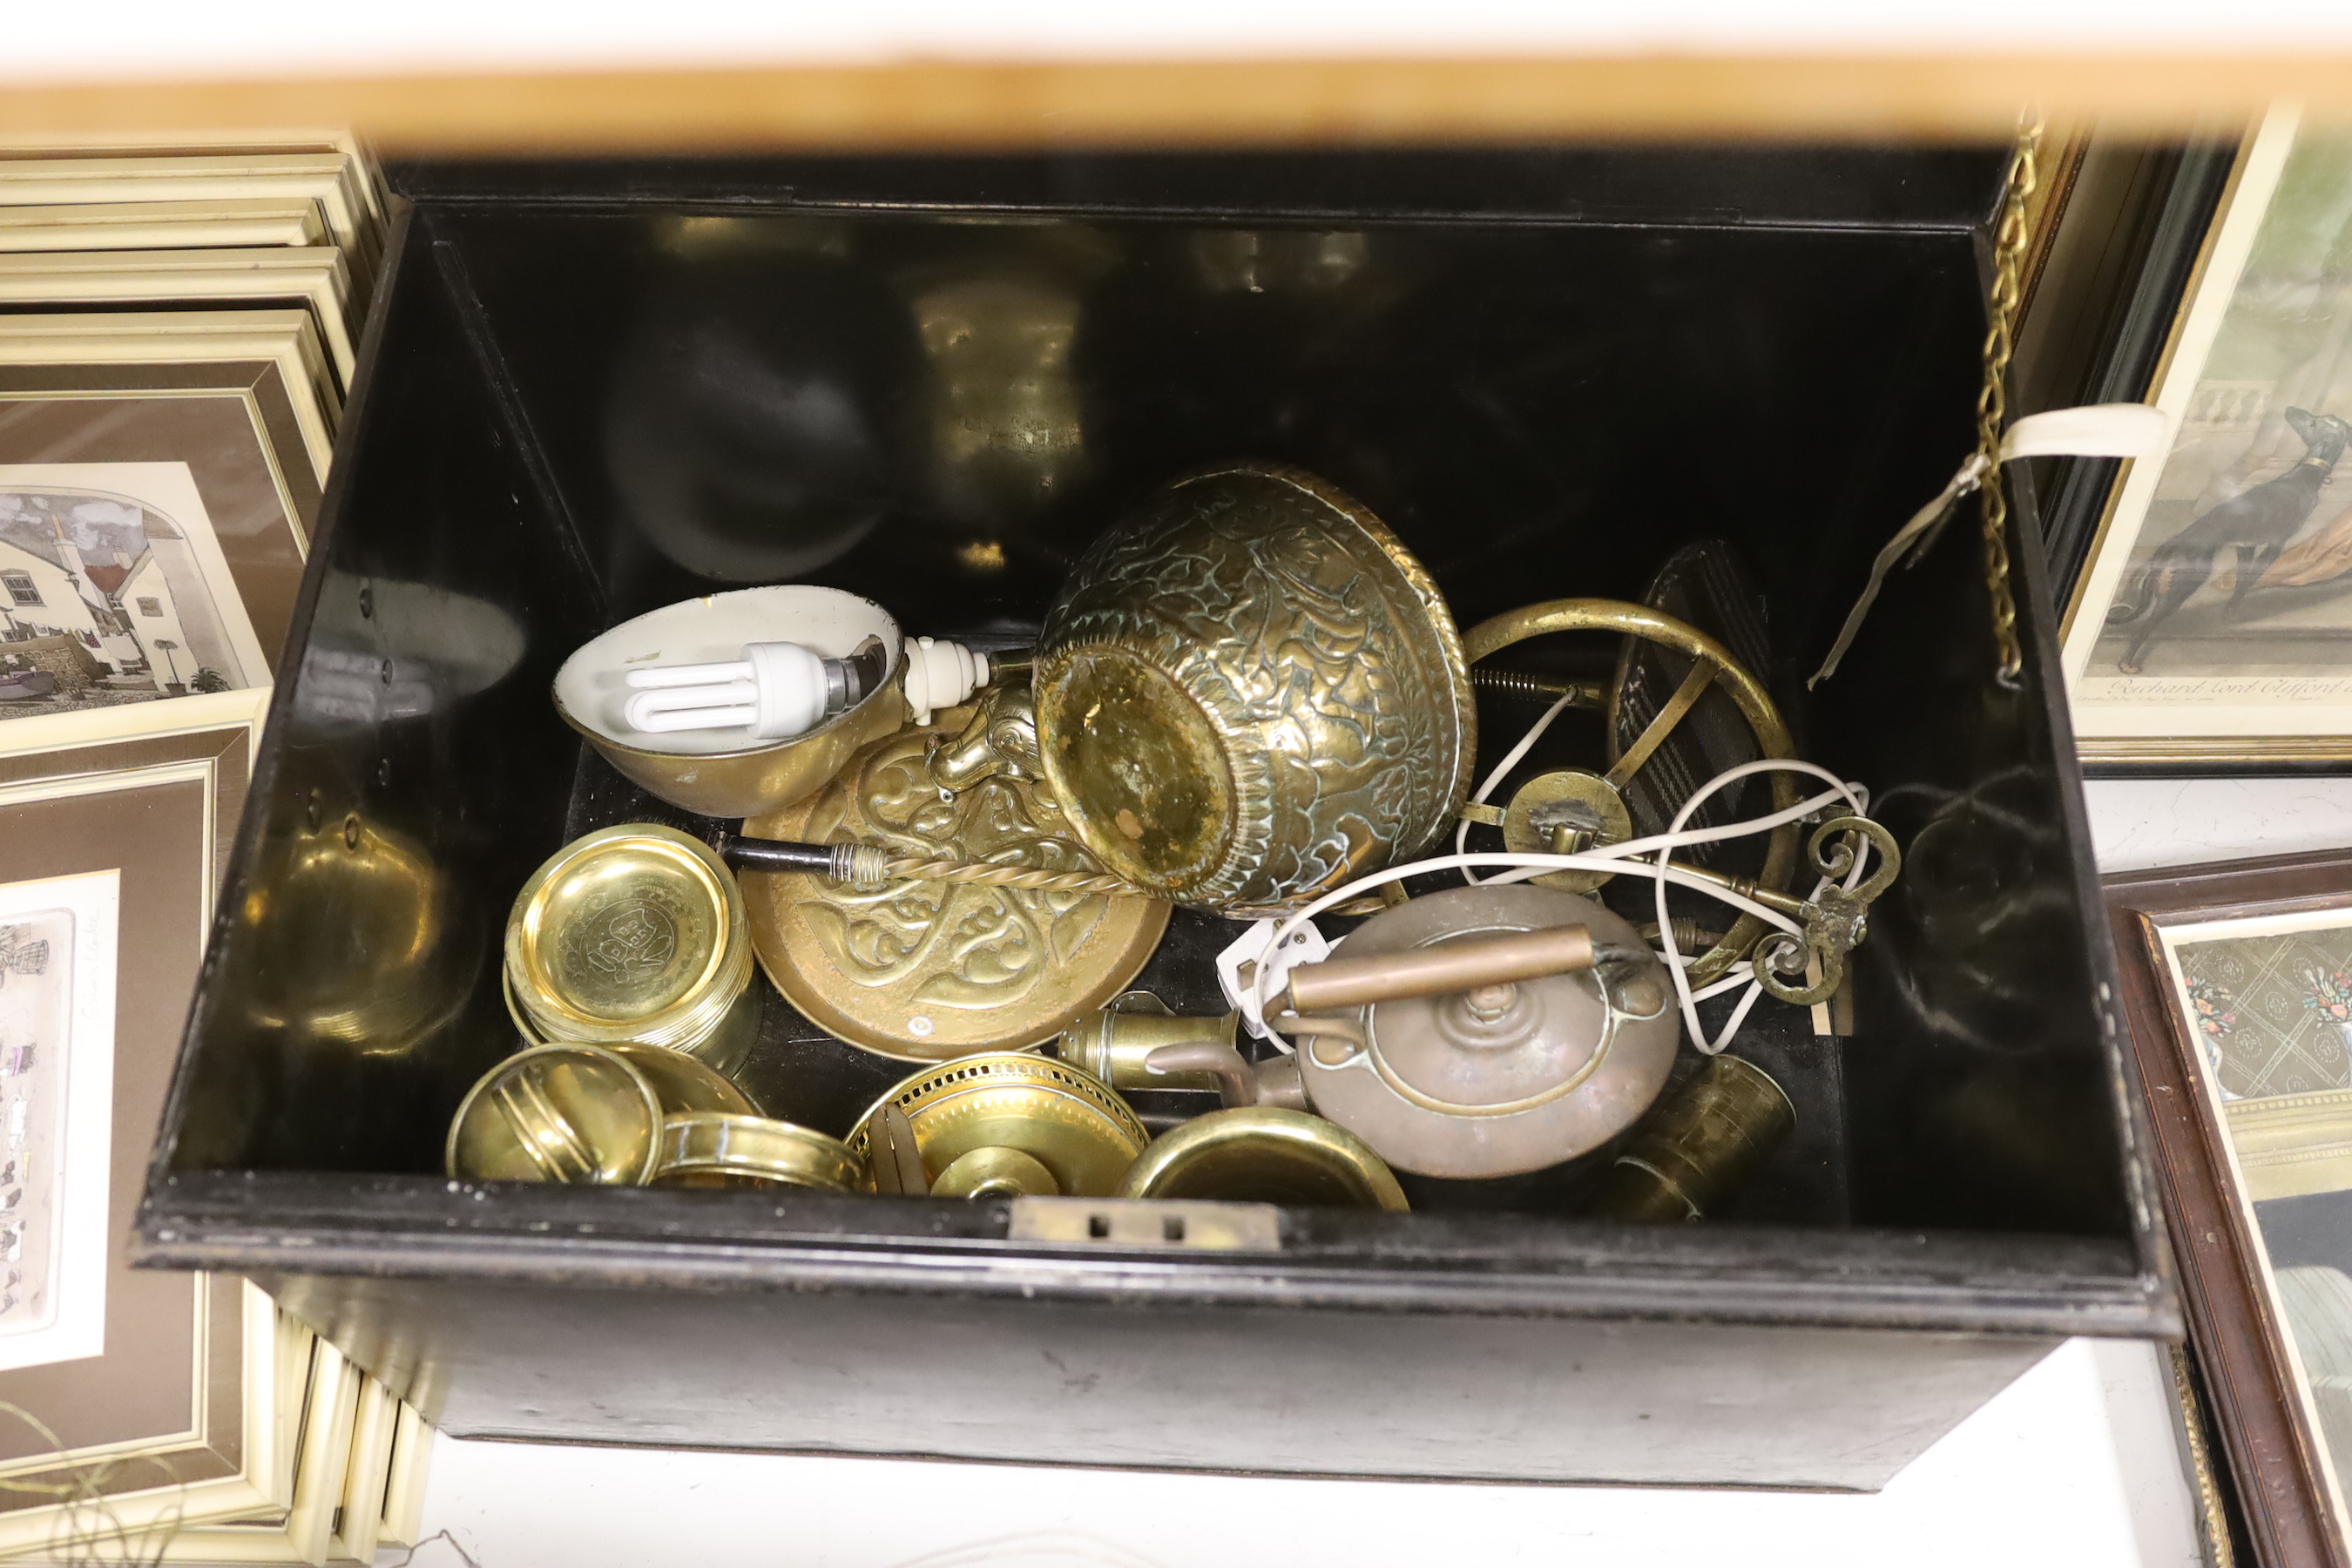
1250 692
932 971
636 932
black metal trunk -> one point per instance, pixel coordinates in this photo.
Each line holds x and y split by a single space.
592 388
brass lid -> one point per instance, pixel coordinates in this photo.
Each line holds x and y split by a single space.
1265 1154
576 1114
634 933
1067 1121
755 1148
929 971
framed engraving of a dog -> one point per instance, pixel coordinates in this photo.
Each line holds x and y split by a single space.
2212 628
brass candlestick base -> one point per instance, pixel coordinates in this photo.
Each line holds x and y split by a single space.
1066 1122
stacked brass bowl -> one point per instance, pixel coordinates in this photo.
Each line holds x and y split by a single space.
636 932
632 1115
628 971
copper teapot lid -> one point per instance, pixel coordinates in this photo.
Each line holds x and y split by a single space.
1503 1079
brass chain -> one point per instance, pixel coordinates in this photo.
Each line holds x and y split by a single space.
1993 402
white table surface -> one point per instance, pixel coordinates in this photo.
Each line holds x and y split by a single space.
2076 1465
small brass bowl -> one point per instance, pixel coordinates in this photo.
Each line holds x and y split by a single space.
1069 1122
715 774
1265 1154
574 1113
1250 692
634 932
717 1147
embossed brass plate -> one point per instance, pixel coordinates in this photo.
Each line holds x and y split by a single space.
1069 1121
931 971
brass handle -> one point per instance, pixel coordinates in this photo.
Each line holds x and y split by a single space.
1463 966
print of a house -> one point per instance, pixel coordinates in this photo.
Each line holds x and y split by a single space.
117 576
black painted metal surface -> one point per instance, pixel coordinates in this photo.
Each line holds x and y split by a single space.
589 389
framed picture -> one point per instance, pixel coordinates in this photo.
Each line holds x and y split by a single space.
337 183
74 347
200 1423
2210 626
154 518
2237 984
162 226
111 851
57 1098
313 275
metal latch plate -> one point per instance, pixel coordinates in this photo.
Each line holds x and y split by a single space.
1155 1225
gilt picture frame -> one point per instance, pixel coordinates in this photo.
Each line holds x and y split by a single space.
178 1411
2210 628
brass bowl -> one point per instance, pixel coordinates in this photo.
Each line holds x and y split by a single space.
1250 692
1069 1121
721 1148
712 775
636 932
574 1113
1265 1154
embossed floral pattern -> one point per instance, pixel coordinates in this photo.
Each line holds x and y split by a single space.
1317 648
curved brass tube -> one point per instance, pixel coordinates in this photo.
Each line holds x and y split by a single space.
1745 690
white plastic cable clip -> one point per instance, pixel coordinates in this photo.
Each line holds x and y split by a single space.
1245 970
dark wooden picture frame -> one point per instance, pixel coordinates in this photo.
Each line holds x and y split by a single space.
2235 1324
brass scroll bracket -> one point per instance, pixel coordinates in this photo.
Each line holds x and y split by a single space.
1836 920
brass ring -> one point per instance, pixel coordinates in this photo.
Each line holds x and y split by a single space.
1499 632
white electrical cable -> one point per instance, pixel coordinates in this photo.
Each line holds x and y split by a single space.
1614 857
1510 760
1665 927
